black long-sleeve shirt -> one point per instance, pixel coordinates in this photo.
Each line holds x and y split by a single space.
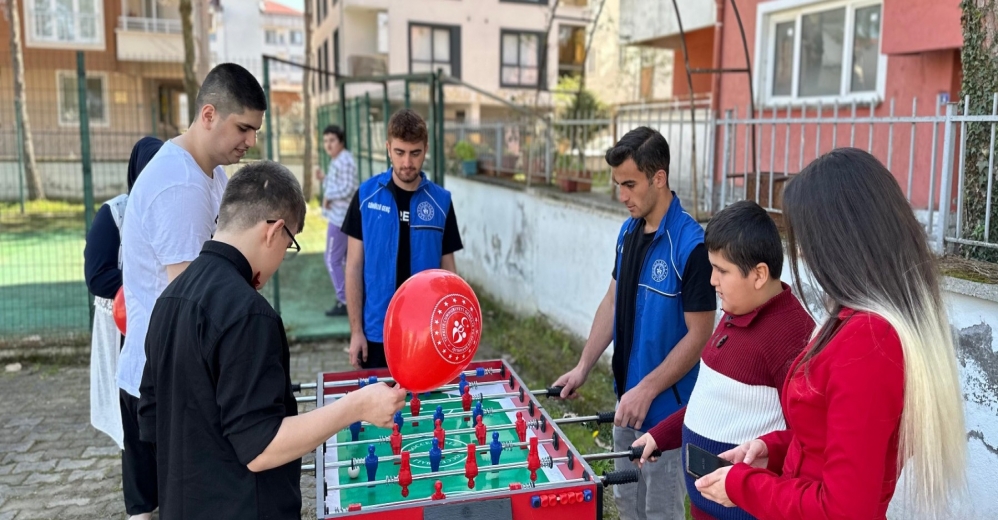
215 390
100 255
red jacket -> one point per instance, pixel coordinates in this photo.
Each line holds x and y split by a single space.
839 456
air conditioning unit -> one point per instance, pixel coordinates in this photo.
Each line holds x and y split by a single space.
368 65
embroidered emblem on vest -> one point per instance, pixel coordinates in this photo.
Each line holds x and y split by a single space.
659 270
425 211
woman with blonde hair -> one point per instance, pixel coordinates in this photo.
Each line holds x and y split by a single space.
877 388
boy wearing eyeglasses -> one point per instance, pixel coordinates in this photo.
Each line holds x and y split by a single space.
216 392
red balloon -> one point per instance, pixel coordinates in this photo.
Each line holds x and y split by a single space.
432 330
118 310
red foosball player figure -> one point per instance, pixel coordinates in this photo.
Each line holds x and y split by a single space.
439 493
471 465
466 402
480 431
414 408
533 459
395 439
521 428
405 474
438 432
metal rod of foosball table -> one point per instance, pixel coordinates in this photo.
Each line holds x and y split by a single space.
384 438
354 382
546 462
633 453
599 418
475 492
462 415
423 454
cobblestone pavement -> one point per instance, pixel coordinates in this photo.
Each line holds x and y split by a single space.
53 464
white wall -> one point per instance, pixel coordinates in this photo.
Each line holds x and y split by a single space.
539 254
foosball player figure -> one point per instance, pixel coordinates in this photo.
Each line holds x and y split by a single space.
355 431
439 414
405 474
521 429
495 448
439 493
471 465
462 385
414 408
399 421
466 403
533 459
395 440
435 456
438 432
371 461
480 431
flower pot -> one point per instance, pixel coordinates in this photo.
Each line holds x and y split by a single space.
469 167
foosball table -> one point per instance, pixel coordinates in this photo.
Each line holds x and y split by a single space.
479 447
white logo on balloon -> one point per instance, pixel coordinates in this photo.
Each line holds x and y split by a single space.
456 328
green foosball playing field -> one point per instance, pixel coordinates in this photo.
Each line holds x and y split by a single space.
417 440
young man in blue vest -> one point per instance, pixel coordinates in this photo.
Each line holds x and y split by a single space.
659 313
399 223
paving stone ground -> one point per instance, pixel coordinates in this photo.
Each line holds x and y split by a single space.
53 464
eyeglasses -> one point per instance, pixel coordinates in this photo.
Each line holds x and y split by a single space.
293 248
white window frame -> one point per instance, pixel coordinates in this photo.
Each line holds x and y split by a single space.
769 14
59 74
31 39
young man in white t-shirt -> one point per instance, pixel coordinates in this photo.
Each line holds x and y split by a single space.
173 209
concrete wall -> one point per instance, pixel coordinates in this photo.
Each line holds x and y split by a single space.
540 254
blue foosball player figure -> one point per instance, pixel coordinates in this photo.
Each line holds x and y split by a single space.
435 456
495 448
371 461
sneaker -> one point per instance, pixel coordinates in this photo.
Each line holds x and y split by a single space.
338 310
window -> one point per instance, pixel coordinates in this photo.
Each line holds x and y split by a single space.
296 38
69 97
270 37
521 59
336 51
433 47
825 52
65 22
571 50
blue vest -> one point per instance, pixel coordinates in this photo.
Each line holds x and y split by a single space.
380 226
659 322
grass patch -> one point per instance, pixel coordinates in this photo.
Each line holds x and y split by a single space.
967 269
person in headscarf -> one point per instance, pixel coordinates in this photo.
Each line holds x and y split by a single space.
102 270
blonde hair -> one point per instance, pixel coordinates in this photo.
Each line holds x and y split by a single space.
849 221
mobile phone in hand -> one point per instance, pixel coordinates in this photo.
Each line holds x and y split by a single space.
700 462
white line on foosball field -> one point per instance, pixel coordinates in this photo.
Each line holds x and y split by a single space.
545 462
506 446
533 423
462 494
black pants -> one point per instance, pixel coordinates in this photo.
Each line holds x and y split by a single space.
375 356
138 462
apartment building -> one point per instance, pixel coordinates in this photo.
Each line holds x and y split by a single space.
504 47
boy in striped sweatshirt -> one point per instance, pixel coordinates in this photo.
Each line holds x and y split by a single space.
763 329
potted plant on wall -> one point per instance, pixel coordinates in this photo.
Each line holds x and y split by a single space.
466 153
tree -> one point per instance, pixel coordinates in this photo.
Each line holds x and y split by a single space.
31 172
980 81
306 89
190 79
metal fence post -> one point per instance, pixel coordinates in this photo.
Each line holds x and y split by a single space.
548 148
499 132
386 107
439 92
946 180
725 160
88 180
370 145
18 110
270 155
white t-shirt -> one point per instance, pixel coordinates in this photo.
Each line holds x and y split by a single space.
172 211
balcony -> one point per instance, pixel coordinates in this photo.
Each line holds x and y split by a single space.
149 39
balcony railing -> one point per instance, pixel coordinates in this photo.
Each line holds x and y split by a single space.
149 25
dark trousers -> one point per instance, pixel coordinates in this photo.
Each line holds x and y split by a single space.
375 356
138 462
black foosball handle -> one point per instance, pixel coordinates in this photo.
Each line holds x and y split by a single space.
554 391
638 450
616 478
295 387
605 417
